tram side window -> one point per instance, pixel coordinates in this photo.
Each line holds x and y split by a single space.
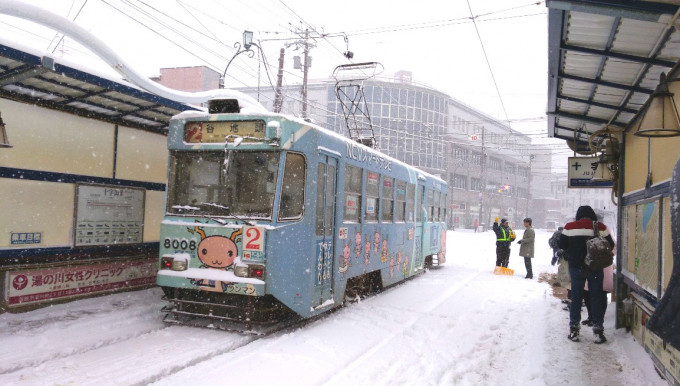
437 208
325 182
372 196
330 200
444 207
410 202
430 204
388 199
320 177
401 202
352 207
419 204
293 188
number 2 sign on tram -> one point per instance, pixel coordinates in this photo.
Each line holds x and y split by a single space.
253 242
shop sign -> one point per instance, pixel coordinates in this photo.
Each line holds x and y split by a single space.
40 285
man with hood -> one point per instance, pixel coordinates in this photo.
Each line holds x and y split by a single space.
503 241
573 242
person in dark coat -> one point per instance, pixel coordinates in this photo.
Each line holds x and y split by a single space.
503 241
573 242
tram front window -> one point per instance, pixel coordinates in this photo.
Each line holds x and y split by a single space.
212 183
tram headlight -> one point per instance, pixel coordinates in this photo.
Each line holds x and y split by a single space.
179 265
241 270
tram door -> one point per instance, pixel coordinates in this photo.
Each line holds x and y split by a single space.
325 228
421 214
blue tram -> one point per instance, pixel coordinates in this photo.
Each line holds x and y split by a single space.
270 218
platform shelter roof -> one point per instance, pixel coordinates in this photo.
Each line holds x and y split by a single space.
31 77
605 60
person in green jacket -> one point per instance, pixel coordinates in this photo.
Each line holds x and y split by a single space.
503 241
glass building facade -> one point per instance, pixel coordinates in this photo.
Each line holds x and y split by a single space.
409 122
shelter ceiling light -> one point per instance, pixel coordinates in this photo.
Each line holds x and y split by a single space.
660 118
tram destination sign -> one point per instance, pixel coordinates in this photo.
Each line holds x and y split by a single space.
219 131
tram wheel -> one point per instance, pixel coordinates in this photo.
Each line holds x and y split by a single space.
362 286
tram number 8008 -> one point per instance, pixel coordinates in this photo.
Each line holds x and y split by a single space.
179 244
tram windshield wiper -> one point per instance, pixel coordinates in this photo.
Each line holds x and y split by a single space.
226 211
220 208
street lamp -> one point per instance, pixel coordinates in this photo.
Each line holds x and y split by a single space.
247 43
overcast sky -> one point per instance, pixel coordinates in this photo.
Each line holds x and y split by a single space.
496 64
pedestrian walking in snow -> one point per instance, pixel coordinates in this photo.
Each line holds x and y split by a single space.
526 248
573 242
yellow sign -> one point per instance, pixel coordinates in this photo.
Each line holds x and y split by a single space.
221 131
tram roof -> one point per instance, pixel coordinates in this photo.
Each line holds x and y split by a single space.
605 59
31 77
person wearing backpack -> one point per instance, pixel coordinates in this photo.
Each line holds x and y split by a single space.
554 244
573 241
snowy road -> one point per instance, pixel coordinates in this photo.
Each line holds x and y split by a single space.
458 324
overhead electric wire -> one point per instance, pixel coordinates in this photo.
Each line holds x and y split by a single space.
486 57
74 19
324 37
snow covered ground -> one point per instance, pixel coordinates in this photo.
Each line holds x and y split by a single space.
455 325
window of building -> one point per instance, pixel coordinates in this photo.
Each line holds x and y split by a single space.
352 208
476 184
495 163
460 154
312 105
476 158
458 181
509 168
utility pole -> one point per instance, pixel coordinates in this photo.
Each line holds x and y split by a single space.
482 194
531 158
303 64
278 99
305 70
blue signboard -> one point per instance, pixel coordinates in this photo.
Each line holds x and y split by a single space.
23 238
